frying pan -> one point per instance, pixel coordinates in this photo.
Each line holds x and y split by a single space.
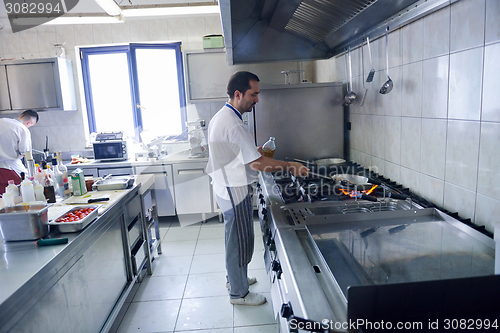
323 161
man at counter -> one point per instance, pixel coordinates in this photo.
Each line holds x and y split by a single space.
15 140
233 164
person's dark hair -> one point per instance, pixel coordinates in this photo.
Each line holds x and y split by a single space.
240 81
30 114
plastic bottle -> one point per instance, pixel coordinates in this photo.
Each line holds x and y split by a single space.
38 174
30 164
27 191
58 179
39 196
48 186
8 199
64 171
12 188
269 147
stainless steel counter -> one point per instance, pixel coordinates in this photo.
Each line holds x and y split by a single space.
28 272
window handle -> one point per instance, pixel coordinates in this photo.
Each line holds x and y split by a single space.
138 106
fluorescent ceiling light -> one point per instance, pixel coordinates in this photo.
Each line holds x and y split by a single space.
109 7
78 20
171 11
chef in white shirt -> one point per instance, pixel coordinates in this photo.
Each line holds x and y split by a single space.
234 162
15 140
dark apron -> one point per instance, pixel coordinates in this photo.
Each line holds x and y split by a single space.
241 200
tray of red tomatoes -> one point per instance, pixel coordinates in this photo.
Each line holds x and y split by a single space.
76 219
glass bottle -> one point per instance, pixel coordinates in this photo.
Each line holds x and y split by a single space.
269 147
48 185
30 163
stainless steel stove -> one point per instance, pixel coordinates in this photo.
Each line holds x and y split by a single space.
334 257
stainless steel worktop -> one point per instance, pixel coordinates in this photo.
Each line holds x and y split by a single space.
28 271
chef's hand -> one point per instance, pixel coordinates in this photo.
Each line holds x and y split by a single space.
259 149
298 169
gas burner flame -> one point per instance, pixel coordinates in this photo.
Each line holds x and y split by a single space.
357 194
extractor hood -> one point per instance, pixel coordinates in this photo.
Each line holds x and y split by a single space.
286 30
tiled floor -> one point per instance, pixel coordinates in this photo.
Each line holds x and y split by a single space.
187 292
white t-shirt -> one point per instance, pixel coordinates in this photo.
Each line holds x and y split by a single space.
15 140
231 149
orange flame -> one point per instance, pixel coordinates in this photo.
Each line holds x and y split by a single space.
352 194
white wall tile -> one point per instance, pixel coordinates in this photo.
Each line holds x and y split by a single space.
392 171
213 25
59 138
411 131
84 34
433 147
487 211
102 33
378 134
462 153
355 133
491 95
465 84
413 42
411 96
1 46
11 43
46 40
177 29
459 199
431 189
377 165
437 33
120 33
195 29
489 160
158 30
410 178
391 102
29 41
492 33
65 34
467 24
435 87
395 49
392 143
139 30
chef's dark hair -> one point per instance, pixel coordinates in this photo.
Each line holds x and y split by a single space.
240 81
29 114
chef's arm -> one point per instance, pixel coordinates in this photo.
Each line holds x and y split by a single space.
266 164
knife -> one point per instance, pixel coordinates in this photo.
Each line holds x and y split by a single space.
88 201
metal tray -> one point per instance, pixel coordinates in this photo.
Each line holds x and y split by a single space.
114 183
26 222
78 225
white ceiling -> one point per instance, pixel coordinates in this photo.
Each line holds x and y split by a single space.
90 6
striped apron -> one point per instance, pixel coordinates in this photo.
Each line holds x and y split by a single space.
241 200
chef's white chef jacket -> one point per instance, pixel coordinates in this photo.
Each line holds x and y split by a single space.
15 140
231 149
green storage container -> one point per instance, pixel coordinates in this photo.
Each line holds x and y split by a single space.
213 42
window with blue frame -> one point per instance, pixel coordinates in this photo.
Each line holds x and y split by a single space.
135 88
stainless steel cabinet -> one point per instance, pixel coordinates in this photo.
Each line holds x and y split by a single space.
164 187
87 172
125 171
4 90
192 188
39 84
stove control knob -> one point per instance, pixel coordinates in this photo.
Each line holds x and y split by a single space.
262 201
264 212
286 310
276 266
261 196
258 185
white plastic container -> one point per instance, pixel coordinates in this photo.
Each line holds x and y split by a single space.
27 191
8 199
39 196
12 188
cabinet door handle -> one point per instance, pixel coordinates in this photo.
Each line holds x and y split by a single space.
191 171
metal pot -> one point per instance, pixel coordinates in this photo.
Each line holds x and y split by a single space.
353 179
